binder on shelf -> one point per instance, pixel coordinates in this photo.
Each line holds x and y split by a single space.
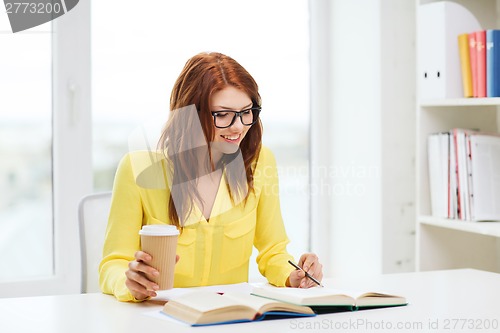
468 163
465 64
463 203
493 63
481 62
485 175
439 67
438 155
452 180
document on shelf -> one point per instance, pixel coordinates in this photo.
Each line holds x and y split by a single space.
485 175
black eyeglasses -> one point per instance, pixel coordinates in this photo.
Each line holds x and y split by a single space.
226 118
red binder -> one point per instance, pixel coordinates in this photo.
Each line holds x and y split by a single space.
481 62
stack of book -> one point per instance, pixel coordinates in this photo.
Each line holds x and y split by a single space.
480 63
464 175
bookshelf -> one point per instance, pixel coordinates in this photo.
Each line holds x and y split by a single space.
447 243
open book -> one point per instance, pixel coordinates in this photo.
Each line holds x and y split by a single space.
324 300
200 308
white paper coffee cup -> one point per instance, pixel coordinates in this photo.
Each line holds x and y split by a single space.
160 241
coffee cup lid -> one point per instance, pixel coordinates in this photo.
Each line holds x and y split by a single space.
159 230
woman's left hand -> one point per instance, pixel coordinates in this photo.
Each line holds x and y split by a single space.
309 263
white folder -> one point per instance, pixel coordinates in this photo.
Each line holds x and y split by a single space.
485 172
439 71
438 157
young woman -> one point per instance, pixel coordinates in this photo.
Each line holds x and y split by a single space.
210 177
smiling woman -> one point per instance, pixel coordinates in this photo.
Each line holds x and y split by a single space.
130 93
211 186
135 60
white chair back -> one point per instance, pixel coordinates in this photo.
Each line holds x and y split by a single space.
93 214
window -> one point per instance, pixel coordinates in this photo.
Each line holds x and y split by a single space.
26 217
45 151
136 59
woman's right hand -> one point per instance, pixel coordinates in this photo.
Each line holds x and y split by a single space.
139 276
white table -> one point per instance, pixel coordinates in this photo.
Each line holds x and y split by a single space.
464 300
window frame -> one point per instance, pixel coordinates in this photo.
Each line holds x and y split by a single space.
71 153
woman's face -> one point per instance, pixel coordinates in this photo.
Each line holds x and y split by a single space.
227 140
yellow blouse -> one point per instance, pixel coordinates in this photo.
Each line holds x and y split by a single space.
214 252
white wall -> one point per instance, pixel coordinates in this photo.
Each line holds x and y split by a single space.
363 135
398 98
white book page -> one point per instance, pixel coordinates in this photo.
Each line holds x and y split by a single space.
204 301
166 295
252 301
300 295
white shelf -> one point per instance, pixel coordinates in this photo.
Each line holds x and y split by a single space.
458 102
449 243
481 228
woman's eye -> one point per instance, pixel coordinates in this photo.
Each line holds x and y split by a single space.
221 114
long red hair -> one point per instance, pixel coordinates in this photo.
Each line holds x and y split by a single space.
202 76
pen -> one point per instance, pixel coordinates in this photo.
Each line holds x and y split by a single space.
307 274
